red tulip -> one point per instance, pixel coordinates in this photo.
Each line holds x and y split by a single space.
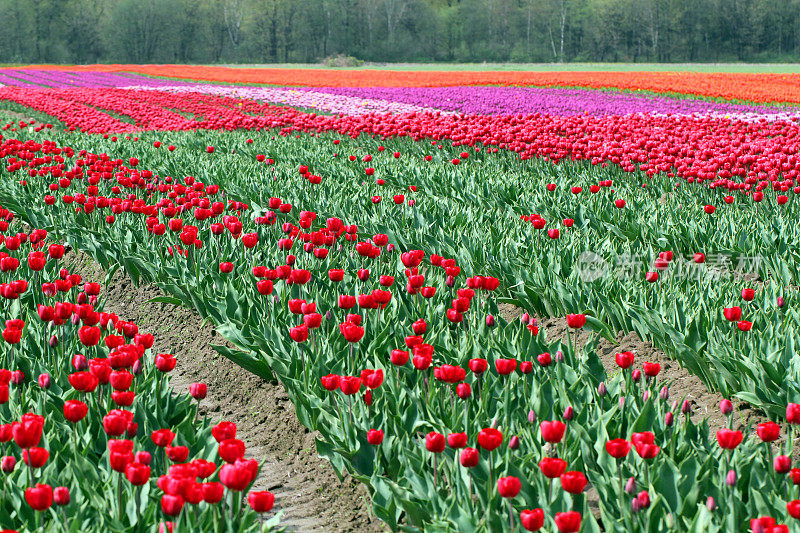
351 332
532 519
198 391
39 497
732 314
89 335
490 439
576 321
553 431
729 439
138 474
75 410
505 367
28 431
552 467
375 437
349 385
768 431
223 430
457 440
235 477
793 413
61 496
165 362
793 508
434 442
261 502
509 486
230 450
162 437
478 366
618 448
651 369
569 522
213 492
624 360
299 333
573 482
172 505
469 457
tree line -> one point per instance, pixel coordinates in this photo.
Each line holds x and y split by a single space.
267 31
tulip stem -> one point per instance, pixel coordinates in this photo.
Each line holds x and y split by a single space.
621 489
491 481
350 408
770 461
435 471
119 494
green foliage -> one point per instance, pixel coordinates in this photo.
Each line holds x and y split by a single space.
272 31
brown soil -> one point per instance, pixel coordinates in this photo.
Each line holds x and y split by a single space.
306 487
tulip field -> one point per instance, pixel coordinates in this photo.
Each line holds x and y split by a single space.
388 246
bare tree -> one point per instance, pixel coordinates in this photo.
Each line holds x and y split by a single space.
233 12
394 13
563 27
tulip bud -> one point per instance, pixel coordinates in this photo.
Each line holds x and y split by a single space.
493 425
75 319
44 381
525 318
450 282
670 521
569 413
560 356
622 402
664 393
79 362
514 443
686 407
61 496
8 463
674 405
710 503
137 367
781 302
601 389
646 395
630 486
143 458
730 479
198 391
668 419
636 375
726 407
17 377
635 505
390 247
782 464
328 315
489 321
531 417
53 341
644 499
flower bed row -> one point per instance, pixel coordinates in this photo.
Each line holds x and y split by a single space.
760 87
449 414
